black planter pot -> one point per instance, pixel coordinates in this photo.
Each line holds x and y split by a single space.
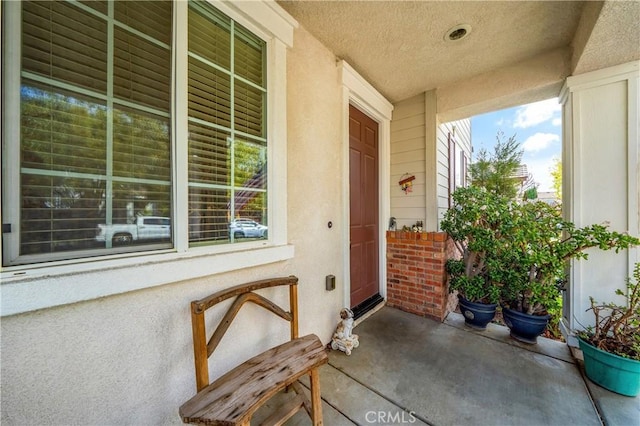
525 328
476 315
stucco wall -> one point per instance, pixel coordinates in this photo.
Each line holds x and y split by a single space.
315 180
540 77
127 359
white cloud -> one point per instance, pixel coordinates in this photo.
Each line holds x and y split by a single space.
536 113
556 121
541 171
539 141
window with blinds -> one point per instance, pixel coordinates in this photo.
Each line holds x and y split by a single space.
227 131
95 123
94 138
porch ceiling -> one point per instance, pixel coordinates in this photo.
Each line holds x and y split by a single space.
399 46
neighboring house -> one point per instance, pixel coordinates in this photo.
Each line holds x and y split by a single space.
548 197
178 110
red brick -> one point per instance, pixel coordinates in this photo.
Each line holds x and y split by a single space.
440 236
416 279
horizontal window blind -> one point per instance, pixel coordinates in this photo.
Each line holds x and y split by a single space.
209 155
152 18
249 56
59 128
142 71
64 43
95 143
101 6
209 35
209 94
95 128
227 131
208 215
249 111
58 213
141 145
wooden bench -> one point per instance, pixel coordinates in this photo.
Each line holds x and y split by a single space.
236 396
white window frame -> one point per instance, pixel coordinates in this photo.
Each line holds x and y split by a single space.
26 288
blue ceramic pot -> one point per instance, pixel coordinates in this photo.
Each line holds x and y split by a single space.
476 315
524 327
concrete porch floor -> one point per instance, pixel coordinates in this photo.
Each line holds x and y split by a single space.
413 370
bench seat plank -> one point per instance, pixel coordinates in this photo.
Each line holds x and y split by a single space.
233 398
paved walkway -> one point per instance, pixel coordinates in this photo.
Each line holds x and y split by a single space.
412 370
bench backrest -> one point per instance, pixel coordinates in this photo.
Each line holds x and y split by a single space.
244 293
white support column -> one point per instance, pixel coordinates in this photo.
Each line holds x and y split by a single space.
600 178
431 161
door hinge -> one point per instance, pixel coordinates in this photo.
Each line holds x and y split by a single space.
6 228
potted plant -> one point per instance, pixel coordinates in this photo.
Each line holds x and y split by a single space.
474 223
611 347
532 261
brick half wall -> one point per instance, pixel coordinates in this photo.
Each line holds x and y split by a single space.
416 278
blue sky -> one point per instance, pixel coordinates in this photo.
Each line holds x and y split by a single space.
538 129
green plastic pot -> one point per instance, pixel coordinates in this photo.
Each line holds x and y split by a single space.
618 374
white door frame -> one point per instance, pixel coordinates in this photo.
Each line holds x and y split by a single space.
359 93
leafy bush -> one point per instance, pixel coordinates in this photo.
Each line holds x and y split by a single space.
475 224
517 252
534 257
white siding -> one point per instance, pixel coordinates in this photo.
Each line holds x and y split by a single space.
462 141
408 157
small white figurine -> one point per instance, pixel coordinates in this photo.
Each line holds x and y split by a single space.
343 339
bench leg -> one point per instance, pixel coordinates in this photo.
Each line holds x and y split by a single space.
316 401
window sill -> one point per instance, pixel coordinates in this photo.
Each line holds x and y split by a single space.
30 290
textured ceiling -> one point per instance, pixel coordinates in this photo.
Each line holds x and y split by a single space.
399 46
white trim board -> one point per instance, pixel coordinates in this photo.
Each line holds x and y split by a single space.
359 93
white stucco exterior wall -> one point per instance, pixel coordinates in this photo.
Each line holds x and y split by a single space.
601 178
531 80
315 120
127 358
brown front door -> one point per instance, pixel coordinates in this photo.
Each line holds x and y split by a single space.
363 183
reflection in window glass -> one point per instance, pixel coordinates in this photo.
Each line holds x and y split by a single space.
61 131
91 164
227 136
59 213
94 139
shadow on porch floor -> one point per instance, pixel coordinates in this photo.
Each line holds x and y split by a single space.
412 370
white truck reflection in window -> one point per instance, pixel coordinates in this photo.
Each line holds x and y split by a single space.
247 228
145 228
